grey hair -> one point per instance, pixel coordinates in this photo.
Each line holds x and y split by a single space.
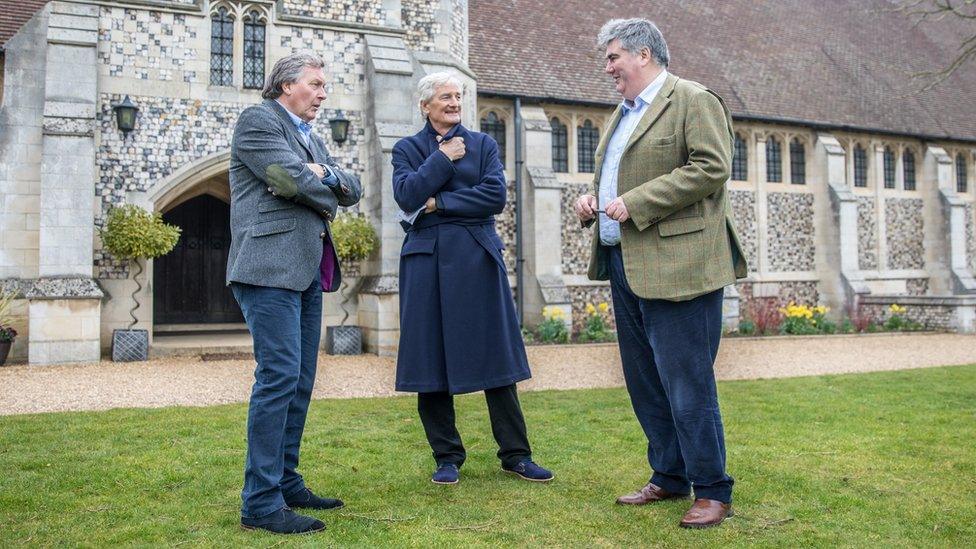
288 70
635 35
428 86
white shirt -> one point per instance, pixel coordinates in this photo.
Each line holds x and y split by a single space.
631 114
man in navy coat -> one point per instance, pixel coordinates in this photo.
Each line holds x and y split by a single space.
458 328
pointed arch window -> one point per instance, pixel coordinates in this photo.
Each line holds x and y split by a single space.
221 48
962 178
740 160
774 161
253 51
560 146
889 168
587 137
798 163
492 125
860 166
908 166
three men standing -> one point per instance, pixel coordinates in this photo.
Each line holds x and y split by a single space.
664 240
285 189
666 243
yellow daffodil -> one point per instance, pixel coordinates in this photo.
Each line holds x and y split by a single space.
603 307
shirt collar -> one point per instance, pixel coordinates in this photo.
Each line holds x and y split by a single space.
302 125
645 97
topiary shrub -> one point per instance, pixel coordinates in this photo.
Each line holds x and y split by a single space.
353 237
134 234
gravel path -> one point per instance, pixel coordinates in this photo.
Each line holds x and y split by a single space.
193 382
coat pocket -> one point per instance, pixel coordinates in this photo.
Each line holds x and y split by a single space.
662 141
418 246
684 225
274 205
273 227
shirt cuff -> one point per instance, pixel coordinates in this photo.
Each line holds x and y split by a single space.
330 179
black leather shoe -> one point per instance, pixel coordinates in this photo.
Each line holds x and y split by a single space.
307 500
284 521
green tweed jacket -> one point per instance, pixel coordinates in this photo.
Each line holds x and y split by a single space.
680 241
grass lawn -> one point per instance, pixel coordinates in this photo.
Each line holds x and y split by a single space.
856 460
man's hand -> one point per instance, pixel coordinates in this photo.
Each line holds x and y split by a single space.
585 207
453 148
317 170
430 205
617 211
280 183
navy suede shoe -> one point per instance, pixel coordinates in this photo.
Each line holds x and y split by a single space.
446 473
284 521
528 470
307 500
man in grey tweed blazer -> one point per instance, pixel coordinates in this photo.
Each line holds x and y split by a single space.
285 189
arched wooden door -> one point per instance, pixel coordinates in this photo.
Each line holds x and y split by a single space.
188 283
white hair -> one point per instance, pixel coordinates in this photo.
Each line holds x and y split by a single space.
635 35
428 85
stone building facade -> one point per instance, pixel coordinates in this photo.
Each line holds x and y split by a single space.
832 214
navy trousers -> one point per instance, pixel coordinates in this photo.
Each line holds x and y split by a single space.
668 349
285 326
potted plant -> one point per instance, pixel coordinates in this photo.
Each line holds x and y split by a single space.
7 332
134 234
354 239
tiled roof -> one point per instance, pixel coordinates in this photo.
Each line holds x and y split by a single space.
833 63
13 15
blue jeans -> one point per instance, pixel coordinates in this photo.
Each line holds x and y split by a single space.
285 326
668 349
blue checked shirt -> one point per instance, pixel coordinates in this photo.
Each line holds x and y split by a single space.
631 114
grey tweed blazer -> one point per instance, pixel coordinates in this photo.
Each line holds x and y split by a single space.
277 239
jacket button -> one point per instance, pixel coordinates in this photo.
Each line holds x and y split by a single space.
322 236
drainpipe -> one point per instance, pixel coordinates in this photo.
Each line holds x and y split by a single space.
519 259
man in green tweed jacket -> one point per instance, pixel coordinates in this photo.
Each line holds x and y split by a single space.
663 236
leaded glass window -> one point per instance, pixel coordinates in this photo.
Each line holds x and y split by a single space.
860 166
889 168
587 137
221 48
774 161
740 160
908 165
962 178
253 51
560 146
798 163
495 127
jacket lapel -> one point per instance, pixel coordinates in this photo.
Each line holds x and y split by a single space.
289 125
654 111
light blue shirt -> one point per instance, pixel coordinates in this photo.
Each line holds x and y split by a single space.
631 114
305 130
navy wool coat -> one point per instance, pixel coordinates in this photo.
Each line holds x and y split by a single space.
458 328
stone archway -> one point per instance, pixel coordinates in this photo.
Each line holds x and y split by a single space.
187 285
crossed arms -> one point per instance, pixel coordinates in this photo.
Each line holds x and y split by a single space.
263 147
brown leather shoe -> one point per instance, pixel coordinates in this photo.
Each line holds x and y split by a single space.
648 494
705 513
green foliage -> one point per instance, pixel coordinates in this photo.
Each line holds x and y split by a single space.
553 328
897 322
596 326
747 327
806 320
7 332
353 237
132 232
